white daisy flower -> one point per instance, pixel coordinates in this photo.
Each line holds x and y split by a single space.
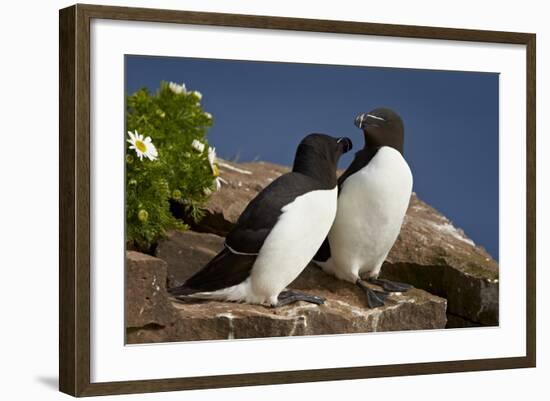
197 94
208 115
218 183
213 160
142 146
176 88
197 145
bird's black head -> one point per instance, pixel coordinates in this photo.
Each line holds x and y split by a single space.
317 157
382 127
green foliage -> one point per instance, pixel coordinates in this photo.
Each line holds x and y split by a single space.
173 118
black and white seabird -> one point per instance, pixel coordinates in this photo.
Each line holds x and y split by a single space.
374 194
277 234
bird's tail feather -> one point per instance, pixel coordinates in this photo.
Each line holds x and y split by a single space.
182 290
225 270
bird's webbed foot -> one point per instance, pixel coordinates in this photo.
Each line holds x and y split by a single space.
375 298
290 296
390 286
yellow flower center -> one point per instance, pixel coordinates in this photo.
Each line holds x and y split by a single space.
143 215
141 146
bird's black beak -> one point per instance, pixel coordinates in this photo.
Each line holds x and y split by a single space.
346 144
366 120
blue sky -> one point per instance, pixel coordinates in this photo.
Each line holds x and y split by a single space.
262 110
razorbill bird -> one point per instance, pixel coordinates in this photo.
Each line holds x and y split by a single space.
277 234
374 194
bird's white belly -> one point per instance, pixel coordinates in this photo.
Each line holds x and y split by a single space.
371 207
292 243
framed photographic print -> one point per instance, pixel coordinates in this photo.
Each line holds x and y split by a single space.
297 200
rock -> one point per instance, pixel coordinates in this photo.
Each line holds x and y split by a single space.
430 252
147 303
456 322
344 311
186 252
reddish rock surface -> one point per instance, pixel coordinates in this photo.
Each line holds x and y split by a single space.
451 273
146 298
345 310
432 254
186 252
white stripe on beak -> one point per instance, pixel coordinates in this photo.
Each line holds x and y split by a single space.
375 117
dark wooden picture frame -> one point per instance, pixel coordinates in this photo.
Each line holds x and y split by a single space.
74 203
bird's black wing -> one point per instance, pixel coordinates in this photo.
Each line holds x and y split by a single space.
361 159
233 264
226 269
262 213
323 254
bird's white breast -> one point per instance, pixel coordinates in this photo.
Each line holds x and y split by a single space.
371 207
293 241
